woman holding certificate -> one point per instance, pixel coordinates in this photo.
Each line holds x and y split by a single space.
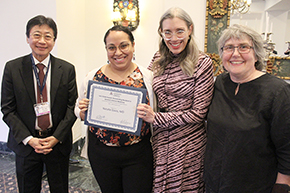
121 162
183 83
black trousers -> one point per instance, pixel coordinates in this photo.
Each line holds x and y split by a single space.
29 172
126 169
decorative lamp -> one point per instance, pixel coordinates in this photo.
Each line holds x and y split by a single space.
126 13
116 16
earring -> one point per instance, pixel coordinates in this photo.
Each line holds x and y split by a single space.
134 56
108 61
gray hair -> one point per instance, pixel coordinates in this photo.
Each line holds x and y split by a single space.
239 32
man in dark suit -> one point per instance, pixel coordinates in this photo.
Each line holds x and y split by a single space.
29 96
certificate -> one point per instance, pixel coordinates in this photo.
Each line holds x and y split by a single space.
114 107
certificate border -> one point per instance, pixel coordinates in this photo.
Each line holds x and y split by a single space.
141 94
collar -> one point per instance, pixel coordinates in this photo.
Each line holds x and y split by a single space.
44 62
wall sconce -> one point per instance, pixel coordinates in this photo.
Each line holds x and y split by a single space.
126 13
240 6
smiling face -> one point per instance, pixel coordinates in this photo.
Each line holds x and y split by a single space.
119 50
41 46
240 66
175 25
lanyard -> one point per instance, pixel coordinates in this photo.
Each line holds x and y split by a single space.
41 87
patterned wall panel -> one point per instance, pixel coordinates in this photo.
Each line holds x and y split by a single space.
217 19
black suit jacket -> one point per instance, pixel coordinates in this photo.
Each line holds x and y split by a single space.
18 98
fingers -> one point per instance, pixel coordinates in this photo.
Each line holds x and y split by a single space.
43 151
143 107
48 142
84 103
142 110
83 106
43 146
145 112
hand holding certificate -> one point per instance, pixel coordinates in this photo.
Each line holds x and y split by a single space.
113 107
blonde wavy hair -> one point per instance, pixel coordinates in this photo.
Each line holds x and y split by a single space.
188 58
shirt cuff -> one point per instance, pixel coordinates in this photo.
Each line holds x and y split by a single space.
25 141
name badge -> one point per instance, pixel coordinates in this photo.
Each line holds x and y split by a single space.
42 109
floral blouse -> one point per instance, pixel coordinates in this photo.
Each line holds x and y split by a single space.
113 138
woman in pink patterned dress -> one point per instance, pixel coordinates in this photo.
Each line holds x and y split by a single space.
183 84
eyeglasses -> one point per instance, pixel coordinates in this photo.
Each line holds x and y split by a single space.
242 49
180 34
123 47
38 36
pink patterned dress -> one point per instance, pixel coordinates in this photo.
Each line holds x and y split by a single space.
179 135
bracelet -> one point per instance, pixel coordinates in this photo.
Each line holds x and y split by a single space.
281 188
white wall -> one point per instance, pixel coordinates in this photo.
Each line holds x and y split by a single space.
14 15
279 19
81 28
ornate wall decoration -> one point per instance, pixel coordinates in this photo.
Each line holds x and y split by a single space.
218 8
217 19
217 63
279 66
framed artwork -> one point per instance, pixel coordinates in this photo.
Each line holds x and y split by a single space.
279 66
217 19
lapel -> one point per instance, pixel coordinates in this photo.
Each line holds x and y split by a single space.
27 77
56 74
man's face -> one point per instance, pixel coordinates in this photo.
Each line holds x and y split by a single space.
41 41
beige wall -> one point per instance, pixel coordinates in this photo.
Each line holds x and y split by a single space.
83 23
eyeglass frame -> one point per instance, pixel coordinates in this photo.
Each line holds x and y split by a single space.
127 44
238 48
174 33
41 35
